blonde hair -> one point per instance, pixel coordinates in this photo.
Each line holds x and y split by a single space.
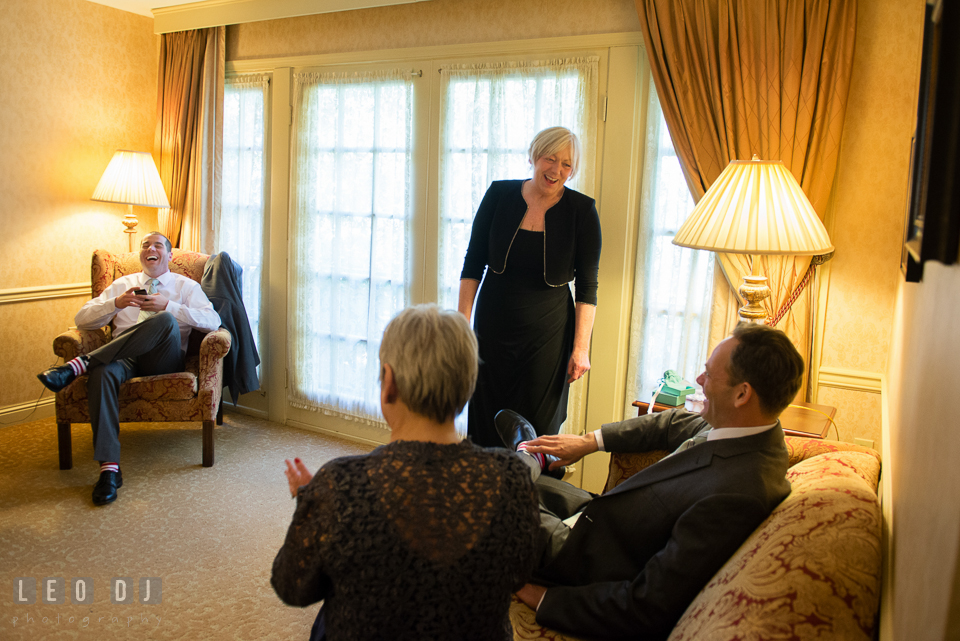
553 140
434 357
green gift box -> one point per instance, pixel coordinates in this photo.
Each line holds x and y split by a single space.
671 399
673 390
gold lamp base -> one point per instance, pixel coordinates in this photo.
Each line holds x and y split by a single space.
754 291
130 222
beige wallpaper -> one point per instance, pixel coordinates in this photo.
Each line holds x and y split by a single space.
79 83
871 187
866 222
439 22
858 415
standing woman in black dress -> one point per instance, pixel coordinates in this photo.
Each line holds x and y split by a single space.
535 236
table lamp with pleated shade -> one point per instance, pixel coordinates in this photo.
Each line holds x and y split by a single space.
131 179
755 207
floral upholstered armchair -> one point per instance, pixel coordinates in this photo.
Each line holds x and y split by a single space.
192 395
810 571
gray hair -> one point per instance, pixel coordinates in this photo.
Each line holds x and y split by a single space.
434 357
553 140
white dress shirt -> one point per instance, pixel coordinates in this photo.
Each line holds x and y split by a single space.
187 302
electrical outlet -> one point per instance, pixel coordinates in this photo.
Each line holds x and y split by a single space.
863 442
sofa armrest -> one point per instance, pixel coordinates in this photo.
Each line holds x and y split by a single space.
74 342
213 348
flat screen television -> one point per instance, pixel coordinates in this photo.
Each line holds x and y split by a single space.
932 230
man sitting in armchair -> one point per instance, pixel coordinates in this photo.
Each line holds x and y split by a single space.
627 564
153 312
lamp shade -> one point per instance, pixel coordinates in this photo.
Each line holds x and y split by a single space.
755 207
131 178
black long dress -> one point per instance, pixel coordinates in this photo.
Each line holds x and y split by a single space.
525 319
525 330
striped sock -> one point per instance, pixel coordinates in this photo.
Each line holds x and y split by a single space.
538 456
78 365
107 466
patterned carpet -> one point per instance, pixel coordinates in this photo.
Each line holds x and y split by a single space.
209 534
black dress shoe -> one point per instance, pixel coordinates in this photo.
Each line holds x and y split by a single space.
514 430
56 378
105 491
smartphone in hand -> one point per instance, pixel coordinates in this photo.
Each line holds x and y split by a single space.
140 292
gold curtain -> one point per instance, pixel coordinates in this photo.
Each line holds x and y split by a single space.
189 134
743 77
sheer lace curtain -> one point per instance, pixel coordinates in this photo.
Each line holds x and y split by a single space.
351 209
491 112
673 290
239 230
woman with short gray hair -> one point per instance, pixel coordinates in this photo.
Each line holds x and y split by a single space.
425 537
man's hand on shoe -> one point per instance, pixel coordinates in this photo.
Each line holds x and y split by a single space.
568 448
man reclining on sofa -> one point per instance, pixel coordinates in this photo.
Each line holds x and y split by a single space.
628 563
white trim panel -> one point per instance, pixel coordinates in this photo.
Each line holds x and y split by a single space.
347 436
851 379
27 294
468 50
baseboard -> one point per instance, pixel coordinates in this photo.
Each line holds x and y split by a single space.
343 435
230 408
22 412
850 379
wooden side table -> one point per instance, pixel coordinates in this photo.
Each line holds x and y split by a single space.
796 421
801 421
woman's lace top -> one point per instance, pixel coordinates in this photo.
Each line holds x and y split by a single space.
412 541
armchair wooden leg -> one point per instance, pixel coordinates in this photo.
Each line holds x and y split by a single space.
220 412
65 445
208 443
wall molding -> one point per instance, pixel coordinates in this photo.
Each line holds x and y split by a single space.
535 46
850 379
45 292
14 414
213 13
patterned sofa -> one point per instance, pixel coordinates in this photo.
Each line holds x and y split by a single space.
192 395
810 571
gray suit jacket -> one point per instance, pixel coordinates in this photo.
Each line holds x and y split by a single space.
640 553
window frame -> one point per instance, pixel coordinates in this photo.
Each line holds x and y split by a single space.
622 88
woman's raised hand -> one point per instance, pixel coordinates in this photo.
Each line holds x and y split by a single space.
297 475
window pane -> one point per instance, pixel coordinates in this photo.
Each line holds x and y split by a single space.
673 293
351 235
240 231
490 114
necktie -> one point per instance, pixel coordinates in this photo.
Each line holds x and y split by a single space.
690 442
151 289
